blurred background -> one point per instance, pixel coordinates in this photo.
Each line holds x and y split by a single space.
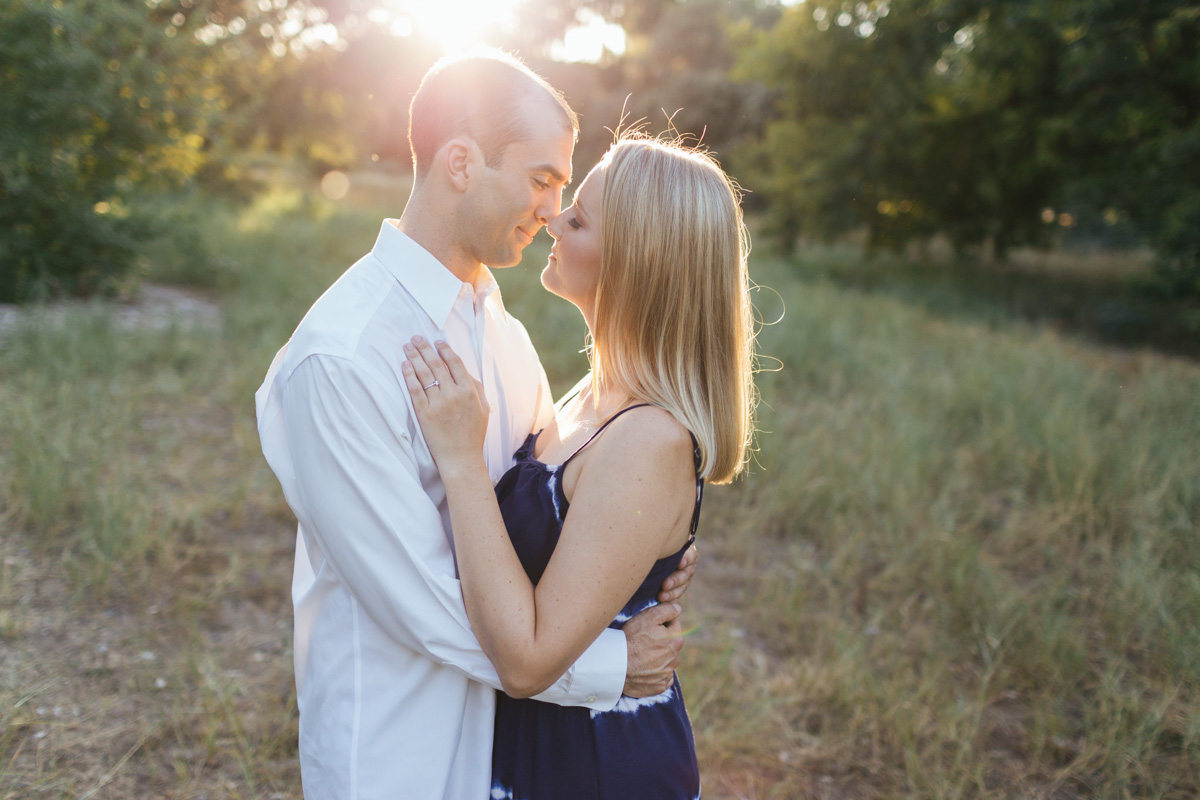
965 561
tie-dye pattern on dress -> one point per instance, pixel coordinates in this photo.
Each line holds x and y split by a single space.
642 748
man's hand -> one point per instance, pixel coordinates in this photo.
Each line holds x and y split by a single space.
678 581
654 638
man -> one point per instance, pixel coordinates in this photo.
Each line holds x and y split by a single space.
396 698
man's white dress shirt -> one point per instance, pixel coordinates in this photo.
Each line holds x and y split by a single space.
395 695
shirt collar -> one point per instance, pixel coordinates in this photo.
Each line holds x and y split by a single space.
433 286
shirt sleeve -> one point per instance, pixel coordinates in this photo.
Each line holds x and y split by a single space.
360 497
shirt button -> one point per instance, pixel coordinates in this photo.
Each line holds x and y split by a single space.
591 698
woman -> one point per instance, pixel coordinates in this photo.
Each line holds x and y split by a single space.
579 534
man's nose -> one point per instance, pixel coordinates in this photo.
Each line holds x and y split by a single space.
547 210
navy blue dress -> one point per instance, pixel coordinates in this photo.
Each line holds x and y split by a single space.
642 748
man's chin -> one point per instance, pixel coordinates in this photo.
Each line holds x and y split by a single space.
505 260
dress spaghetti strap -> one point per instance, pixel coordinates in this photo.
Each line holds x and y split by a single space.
699 486
599 431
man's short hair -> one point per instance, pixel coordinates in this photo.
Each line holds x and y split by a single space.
475 94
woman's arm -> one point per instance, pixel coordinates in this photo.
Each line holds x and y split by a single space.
632 501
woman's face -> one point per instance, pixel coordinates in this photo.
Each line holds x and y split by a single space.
573 270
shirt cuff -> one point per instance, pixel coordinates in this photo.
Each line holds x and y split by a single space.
596 679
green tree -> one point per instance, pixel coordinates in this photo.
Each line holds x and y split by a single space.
1131 83
906 118
884 122
95 109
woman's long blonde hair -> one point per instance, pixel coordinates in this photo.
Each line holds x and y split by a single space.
673 325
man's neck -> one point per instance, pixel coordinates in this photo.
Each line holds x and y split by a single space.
436 232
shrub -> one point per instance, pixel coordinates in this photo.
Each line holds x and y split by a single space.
96 106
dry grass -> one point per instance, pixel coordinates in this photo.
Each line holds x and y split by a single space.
971 556
144 572
965 566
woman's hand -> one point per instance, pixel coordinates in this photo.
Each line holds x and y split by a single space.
449 404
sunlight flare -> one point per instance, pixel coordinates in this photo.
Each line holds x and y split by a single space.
458 25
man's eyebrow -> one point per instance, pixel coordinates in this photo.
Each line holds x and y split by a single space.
553 172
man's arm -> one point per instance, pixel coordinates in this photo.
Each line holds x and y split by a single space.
361 502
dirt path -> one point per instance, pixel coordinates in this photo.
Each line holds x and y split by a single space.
153 308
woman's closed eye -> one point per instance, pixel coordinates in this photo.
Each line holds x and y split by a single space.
574 223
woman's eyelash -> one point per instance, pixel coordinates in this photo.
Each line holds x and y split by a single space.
574 223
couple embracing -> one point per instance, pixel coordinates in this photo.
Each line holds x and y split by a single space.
470 623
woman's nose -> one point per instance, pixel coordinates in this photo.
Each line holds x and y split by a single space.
552 226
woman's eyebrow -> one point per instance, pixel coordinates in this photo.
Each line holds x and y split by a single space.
577 202
579 205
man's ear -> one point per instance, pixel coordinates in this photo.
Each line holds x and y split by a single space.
460 157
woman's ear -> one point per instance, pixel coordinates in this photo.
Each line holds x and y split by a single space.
459 156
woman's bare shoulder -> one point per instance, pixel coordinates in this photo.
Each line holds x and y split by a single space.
651 434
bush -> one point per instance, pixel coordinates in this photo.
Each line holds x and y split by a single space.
96 107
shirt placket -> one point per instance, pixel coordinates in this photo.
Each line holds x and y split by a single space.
470 309
496 449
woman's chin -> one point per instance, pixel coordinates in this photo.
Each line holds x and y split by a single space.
548 281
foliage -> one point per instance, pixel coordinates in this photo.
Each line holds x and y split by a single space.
885 122
988 123
1132 92
906 118
106 103
95 109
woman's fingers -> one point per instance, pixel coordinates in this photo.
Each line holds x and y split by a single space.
420 366
436 365
455 365
415 390
483 401
458 370
441 376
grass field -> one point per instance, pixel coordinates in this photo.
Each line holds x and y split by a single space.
964 565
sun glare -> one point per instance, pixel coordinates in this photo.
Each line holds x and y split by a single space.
589 39
457 25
